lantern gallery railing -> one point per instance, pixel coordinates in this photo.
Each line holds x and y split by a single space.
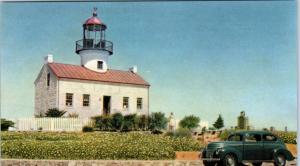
91 44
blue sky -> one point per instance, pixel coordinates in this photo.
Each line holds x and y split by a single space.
202 58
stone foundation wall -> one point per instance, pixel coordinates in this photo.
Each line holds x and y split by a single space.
22 162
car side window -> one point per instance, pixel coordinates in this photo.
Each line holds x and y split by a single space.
235 137
269 137
252 137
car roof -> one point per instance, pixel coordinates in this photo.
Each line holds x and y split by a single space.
251 132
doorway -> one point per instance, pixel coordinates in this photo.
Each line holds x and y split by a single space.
106 105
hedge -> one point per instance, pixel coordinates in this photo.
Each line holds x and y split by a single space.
93 146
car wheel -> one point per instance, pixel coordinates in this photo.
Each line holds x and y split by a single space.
257 164
280 160
229 160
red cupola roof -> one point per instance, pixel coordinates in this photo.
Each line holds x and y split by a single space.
93 20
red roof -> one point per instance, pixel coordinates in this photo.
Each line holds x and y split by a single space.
82 73
93 20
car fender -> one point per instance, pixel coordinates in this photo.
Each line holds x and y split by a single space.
288 155
234 151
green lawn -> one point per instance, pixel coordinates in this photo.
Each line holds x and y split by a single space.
92 146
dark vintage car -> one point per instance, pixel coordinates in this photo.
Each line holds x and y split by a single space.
247 147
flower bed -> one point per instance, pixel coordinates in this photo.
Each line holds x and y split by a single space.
93 146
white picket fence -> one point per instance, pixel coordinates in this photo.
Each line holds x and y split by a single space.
52 124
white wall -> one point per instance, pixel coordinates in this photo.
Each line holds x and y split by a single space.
96 91
90 58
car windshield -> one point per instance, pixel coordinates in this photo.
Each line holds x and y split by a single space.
235 137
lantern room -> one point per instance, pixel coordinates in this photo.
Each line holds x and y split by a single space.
94 36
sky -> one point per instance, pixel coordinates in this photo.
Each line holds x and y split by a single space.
202 58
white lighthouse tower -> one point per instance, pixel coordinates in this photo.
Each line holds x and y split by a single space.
93 49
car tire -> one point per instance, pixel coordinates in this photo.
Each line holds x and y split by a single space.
280 160
229 160
257 164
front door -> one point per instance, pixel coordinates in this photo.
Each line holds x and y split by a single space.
106 105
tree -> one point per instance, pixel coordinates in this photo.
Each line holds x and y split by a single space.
54 112
219 123
157 121
5 124
189 122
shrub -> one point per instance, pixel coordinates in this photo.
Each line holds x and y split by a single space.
54 112
189 122
142 122
73 115
5 124
157 121
287 137
129 122
103 122
117 121
93 146
180 132
225 133
156 132
87 129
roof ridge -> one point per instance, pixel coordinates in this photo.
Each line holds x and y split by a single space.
87 68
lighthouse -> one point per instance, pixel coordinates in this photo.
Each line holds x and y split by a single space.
90 88
93 48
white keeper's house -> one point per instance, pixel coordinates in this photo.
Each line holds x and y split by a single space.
91 88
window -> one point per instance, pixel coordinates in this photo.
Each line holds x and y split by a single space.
86 100
125 102
269 137
100 65
69 99
252 138
139 103
48 79
235 138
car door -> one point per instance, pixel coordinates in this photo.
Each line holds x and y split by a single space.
253 147
269 144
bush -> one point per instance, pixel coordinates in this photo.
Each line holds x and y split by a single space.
93 146
87 129
180 132
225 133
157 121
287 137
189 122
103 122
117 121
129 122
5 124
54 112
73 115
142 122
